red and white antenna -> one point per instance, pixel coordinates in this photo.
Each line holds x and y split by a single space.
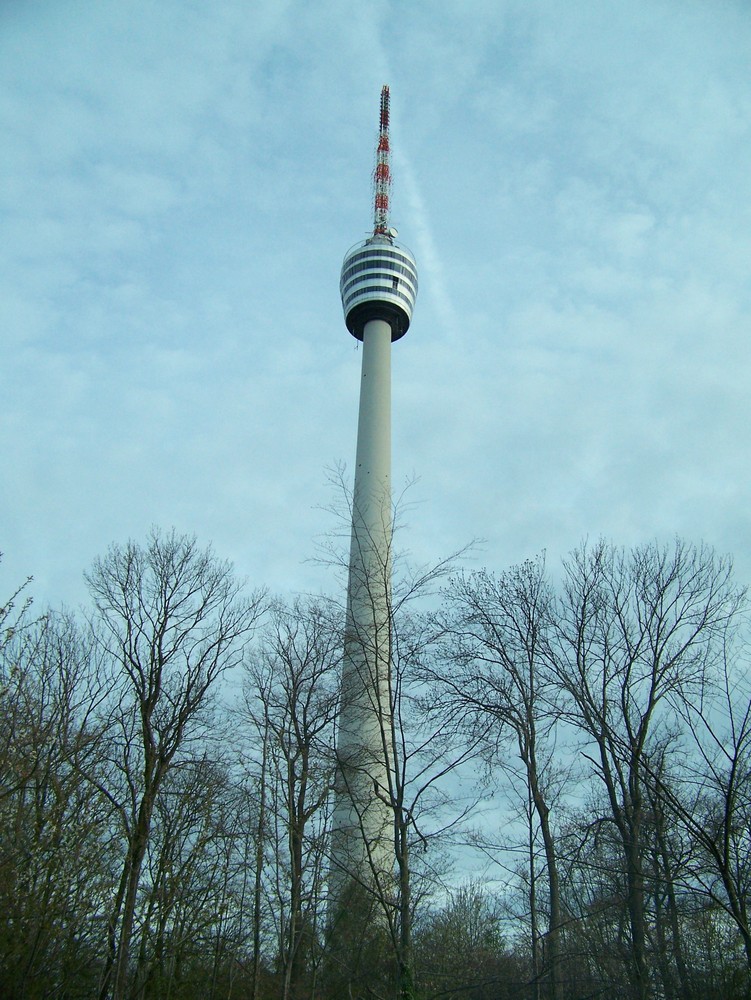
382 172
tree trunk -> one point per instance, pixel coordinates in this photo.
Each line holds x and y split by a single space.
106 981
139 843
552 951
258 881
635 904
406 972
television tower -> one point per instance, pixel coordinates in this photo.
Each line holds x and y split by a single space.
378 288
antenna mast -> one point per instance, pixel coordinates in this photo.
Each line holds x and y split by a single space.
382 172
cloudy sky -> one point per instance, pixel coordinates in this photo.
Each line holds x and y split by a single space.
180 180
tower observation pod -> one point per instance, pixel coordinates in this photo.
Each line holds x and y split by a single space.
378 288
379 281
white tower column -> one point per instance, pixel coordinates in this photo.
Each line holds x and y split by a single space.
363 819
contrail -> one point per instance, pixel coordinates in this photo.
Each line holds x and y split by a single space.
431 265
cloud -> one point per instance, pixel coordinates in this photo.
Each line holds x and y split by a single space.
179 188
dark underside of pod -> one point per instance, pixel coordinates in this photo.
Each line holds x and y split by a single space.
391 313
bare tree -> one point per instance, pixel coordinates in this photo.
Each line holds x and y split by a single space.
709 796
188 883
13 617
635 634
14 621
461 949
171 619
429 742
496 636
54 856
291 699
668 865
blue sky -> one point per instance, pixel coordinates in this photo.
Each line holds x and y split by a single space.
179 182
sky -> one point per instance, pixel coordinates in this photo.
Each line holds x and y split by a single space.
179 182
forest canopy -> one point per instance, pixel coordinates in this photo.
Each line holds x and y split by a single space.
571 784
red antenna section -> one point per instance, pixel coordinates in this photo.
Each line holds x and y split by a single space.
382 172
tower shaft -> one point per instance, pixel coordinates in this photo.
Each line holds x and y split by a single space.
363 819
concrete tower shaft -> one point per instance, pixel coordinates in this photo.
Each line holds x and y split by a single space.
363 821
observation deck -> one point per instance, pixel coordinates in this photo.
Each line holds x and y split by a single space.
379 281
